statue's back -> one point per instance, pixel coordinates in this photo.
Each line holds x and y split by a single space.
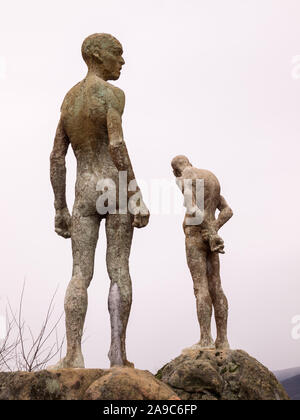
84 115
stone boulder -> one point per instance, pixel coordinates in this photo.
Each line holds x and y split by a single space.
220 375
129 384
84 384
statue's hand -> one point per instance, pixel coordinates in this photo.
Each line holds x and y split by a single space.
141 219
216 243
205 235
63 223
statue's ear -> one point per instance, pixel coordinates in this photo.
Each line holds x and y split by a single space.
97 55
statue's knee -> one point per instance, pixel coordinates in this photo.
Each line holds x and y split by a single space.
203 296
76 298
87 280
79 282
118 270
219 299
201 293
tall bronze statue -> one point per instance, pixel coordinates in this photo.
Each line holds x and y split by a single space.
91 121
203 246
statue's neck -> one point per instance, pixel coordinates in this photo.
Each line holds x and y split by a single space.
96 71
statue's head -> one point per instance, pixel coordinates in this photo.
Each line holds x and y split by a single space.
103 52
179 163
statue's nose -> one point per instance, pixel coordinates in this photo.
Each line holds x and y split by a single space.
122 61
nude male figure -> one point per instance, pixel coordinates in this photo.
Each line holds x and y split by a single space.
91 122
203 245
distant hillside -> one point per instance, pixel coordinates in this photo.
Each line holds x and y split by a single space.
283 375
292 387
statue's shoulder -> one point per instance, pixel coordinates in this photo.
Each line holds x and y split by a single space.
190 173
71 94
117 93
205 174
106 93
94 92
210 179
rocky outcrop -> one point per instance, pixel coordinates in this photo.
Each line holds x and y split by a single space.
194 375
220 375
84 384
129 384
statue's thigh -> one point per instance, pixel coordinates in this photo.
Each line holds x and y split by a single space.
119 233
214 279
213 266
196 254
196 249
85 232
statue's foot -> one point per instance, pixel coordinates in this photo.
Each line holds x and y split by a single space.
222 344
129 364
119 363
118 358
76 362
206 343
203 344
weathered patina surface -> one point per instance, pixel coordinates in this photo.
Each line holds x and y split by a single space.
220 375
203 245
91 121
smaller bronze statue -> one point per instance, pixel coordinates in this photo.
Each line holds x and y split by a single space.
203 245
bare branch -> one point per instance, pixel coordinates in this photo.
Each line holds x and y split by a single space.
17 352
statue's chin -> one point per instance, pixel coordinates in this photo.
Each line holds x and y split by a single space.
114 76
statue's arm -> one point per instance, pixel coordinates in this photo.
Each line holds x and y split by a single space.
58 167
120 157
225 214
117 146
58 181
210 229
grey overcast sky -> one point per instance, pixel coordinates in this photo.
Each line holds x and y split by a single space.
216 80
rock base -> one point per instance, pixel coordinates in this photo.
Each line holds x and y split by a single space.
84 384
220 375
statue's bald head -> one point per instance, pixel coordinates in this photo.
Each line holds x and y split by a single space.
179 163
103 50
